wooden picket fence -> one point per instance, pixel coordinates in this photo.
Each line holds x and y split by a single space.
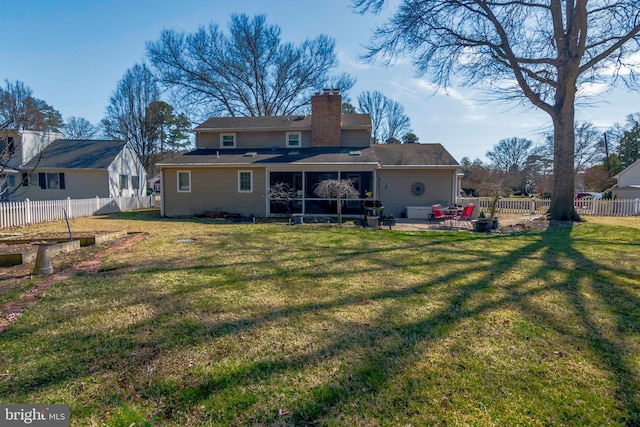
533 206
14 214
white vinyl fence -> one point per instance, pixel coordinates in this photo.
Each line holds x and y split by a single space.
32 212
589 207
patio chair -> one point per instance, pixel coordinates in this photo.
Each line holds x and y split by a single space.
465 216
439 215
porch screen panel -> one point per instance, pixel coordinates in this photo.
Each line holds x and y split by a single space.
294 180
317 206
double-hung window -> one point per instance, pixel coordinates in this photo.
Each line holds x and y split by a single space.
245 181
135 182
227 140
51 181
184 181
294 139
124 182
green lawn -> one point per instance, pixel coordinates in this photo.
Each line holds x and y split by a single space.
322 325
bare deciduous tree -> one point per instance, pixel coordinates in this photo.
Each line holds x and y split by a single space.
397 121
79 128
27 112
128 116
541 52
374 104
511 154
388 120
247 71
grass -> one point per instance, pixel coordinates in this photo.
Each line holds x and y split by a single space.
270 324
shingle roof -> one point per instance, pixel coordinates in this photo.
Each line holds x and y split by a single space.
413 155
77 154
391 155
349 121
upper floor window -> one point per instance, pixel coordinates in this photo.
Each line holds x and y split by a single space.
245 181
294 139
135 182
124 182
227 140
8 144
184 181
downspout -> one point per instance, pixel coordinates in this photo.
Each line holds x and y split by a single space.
376 182
267 197
162 190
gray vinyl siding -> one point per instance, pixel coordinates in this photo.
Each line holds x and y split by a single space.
356 138
127 163
213 190
268 139
395 188
79 184
252 140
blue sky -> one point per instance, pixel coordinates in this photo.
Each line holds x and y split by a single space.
72 54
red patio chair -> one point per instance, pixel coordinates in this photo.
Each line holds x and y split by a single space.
439 215
465 215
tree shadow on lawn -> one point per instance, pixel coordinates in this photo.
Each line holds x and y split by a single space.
386 349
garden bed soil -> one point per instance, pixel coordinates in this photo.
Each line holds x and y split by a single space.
17 282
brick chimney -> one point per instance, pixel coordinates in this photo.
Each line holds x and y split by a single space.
326 118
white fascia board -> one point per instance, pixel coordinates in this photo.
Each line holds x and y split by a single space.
252 129
419 167
207 165
334 163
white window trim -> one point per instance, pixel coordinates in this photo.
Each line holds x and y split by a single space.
178 181
240 172
299 139
222 135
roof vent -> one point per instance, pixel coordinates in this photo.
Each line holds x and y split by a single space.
250 154
293 153
355 153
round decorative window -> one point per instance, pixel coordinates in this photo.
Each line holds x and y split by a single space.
417 188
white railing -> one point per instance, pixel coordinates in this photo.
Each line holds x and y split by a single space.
32 212
532 206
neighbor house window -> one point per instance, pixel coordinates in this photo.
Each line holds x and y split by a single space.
124 182
9 144
184 181
135 182
294 139
51 181
245 181
228 140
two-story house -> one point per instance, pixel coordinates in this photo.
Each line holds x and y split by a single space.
83 169
17 148
46 166
238 159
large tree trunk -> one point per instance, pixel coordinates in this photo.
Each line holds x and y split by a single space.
562 207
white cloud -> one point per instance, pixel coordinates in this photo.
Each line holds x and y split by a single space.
592 89
349 60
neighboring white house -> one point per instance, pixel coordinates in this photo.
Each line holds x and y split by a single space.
19 147
628 182
154 184
82 169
